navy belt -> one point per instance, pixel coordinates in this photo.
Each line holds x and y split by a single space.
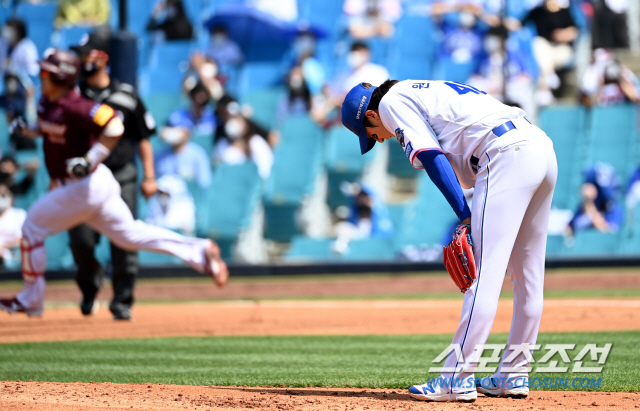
505 128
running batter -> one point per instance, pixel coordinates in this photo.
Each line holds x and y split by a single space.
78 135
463 137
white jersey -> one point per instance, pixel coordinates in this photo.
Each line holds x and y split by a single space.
444 115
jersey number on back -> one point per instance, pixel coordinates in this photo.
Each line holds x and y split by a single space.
463 88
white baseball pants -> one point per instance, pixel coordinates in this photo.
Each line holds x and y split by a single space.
512 200
94 200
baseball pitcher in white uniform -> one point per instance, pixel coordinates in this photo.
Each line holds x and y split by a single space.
465 138
78 135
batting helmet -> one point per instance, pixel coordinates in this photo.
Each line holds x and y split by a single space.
63 67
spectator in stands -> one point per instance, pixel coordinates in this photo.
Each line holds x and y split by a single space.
199 117
82 13
204 70
372 18
304 50
500 63
228 107
8 171
297 100
242 144
360 69
11 220
553 46
609 28
182 158
173 206
368 217
600 207
170 21
223 50
20 68
607 81
461 33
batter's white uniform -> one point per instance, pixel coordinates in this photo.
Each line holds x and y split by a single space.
96 201
514 173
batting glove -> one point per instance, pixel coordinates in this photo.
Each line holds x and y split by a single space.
78 167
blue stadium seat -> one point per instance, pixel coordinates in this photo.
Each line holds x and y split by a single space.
168 62
204 140
398 164
260 75
265 104
413 48
58 252
370 249
161 105
428 217
566 126
233 197
593 243
613 137
344 163
310 249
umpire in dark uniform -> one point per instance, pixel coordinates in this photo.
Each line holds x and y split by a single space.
139 125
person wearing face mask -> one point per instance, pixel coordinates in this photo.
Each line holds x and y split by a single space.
241 145
371 18
297 100
360 69
223 50
170 21
20 68
97 85
199 117
228 107
503 72
11 220
182 157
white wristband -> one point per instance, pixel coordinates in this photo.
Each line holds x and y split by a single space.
97 154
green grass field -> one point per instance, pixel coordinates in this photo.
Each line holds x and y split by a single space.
335 361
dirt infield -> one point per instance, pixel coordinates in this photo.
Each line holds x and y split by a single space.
21 396
62 321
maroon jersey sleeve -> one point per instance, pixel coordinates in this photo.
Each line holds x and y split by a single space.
70 126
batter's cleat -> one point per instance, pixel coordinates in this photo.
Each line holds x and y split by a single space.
89 306
428 392
214 266
497 387
12 305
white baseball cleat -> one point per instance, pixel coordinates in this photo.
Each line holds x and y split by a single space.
497 387
429 392
214 266
12 305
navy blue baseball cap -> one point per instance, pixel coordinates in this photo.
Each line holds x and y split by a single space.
353 108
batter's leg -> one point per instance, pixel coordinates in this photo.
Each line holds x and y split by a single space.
503 191
90 274
125 263
116 222
526 268
56 211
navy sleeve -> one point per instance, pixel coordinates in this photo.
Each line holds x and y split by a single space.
441 173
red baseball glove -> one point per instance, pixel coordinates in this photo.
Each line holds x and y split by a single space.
458 258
